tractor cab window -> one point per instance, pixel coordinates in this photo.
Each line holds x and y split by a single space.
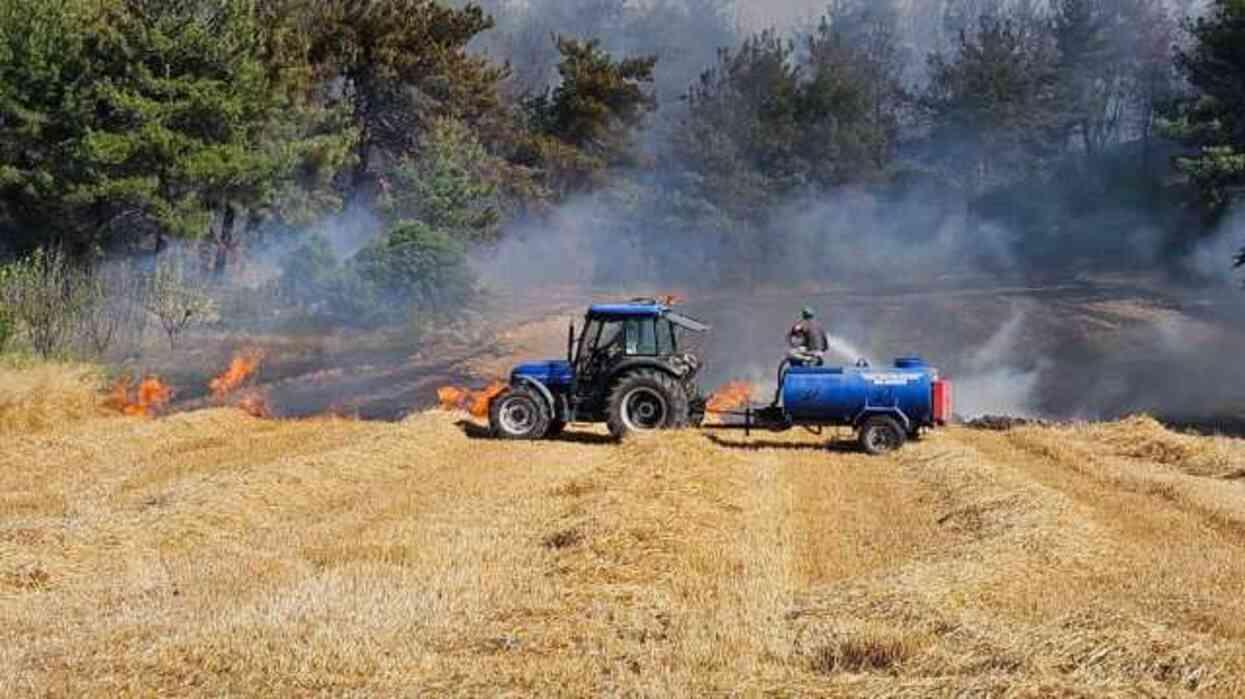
612 336
641 337
666 342
588 340
650 337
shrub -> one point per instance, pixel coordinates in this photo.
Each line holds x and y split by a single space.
113 300
46 294
6 326
419 265
176 299
314 280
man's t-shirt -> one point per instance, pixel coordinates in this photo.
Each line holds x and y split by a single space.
812 335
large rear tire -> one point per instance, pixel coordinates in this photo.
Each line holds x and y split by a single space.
881 434
647 401
519 414
695 407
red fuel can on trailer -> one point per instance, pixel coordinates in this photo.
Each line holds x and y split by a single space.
942 402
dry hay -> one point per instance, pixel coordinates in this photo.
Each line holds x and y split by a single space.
1145 439
46 395
211 553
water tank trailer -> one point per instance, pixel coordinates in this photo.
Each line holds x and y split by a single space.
886 406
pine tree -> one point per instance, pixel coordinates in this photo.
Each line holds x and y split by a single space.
126 119
1214 122
992 106
401 64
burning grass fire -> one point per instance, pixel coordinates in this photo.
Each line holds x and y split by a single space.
145 401
735 395
475 402
255 404
242 367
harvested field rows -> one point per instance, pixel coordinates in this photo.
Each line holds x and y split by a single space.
212 553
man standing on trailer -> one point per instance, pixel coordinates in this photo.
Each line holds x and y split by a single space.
808 340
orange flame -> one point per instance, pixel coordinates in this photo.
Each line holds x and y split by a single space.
255 404
242 367
733 396
150 395
477 403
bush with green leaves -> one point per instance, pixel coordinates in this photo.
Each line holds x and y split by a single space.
317 283
417 265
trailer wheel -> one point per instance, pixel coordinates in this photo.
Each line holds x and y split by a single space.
519 414
646 401
881 434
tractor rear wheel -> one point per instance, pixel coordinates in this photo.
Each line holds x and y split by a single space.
519 414
881 434
646 401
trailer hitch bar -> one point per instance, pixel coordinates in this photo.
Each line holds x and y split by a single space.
771 418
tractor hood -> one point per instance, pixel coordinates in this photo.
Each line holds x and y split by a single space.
550 373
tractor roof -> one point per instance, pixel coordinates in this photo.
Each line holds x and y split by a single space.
645 309
629 310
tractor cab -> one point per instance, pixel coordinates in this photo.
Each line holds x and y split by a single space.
633 334
631 367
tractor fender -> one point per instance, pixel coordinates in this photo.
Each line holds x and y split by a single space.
631 365
871 411
543 390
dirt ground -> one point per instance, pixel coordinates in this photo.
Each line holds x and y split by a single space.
211 553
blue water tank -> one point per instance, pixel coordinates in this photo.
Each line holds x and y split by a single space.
910 363
839 395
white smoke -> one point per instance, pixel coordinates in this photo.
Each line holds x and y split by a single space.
1212 259
993 384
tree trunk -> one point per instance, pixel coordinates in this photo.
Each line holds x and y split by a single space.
225 241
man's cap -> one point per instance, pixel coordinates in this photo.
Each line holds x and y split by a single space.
807 312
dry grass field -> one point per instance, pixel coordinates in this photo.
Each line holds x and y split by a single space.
212 553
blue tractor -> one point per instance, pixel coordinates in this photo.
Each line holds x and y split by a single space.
630 368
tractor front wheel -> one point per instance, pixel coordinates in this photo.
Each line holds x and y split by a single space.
647 401
519 414
881 435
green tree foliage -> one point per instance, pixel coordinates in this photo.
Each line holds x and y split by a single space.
1113 69
126 117
769 120
415 263
42 55
1214 121
855 99
588 120
684 35
449 185
314 281
992 104
403 63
